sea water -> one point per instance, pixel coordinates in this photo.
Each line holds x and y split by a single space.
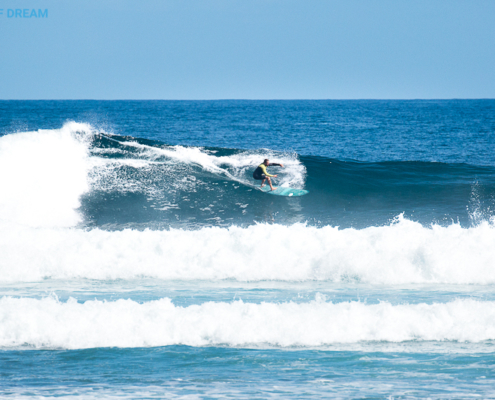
138 259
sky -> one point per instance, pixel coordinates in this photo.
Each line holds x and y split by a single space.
247 49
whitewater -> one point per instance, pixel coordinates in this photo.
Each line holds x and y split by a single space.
126 323
145 248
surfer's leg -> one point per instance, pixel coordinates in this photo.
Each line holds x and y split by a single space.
270 183
263 177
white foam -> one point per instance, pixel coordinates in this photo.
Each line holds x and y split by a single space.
403 252
43 174
49 323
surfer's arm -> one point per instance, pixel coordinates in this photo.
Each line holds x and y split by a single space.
263 168
276 165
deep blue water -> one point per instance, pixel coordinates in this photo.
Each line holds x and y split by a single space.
447 131
138 259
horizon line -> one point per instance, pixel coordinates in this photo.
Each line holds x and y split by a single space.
233 99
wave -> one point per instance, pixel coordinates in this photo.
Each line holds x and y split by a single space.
402 252
211 186
49 323
80 176
73 175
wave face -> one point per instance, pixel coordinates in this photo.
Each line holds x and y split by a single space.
161 186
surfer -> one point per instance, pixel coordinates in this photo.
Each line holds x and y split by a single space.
261 174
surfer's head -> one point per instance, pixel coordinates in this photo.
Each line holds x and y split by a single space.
266 162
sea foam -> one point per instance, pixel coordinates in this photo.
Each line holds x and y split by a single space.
403 252
43 174
49 323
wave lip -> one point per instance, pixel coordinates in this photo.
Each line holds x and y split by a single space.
49 323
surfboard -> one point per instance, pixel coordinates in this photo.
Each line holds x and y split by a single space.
284 191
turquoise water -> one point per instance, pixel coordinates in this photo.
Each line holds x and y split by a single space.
139 260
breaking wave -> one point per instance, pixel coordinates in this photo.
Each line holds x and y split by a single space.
49 323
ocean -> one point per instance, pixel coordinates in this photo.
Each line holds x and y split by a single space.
138 259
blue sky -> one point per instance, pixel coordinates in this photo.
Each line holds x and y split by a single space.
248 49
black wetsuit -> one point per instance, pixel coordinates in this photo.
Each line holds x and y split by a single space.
260 172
